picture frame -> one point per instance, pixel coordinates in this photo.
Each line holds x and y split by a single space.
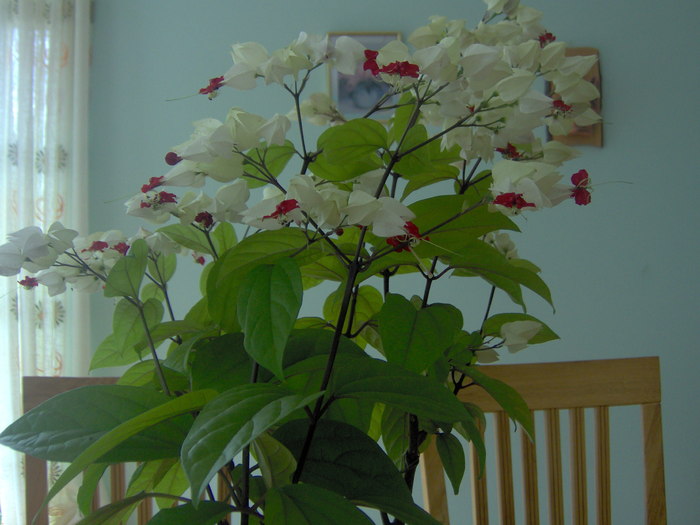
583 135
355 95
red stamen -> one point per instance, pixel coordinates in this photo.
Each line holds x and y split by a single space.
512 200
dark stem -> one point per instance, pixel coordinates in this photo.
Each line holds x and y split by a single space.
245 488
152 347
488 307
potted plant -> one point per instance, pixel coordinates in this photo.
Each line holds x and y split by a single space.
290 411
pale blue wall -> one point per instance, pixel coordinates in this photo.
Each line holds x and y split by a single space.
623 271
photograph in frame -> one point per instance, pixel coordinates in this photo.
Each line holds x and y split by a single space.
354 95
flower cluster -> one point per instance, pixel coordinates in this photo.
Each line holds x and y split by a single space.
475 85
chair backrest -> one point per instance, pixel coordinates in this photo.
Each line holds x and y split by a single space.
36 390
551 388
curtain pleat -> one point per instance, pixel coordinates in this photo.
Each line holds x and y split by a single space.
44 60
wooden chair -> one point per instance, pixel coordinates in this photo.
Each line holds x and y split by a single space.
551 388
36 391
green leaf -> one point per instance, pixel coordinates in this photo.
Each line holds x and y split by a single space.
124 280
188 236
228 271
393 385
99 449
492 327
307 504
224 237
163 268
221 363
367 303
61 428
452 456
168 330
415 339
274 157
402 116
268 303
395 434
111 511
456 226
345 460
277 464
120 348
229 423
91 479
353 139
205 513
506 396
349 150
478 258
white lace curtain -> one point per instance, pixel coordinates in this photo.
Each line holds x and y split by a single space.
44 56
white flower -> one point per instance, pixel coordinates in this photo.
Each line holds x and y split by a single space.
517 334
157 242
515 86
320 110
434 62
275 129
190 205
386 215
184 173
348 53
53 280
501 6
240 129
198 147
153 206
503 243
11 259
241 76
223 169
251 54
230 201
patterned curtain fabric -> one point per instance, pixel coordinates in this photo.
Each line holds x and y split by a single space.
44 57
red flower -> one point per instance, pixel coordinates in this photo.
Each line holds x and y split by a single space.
97 246
404 242
546 38
205 219
513 200
29 282
199 259
403 69
153 182
580 192
172 158
371 62
283 208
560 107
164 197
510 152
121 247
214 85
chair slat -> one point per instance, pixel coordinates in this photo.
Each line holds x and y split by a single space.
117 482
480 499
654 465
530 492
604 514
37 483
554 467
579 491
505 469
145 511
433 482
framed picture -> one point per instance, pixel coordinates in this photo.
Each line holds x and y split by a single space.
583 135
354 95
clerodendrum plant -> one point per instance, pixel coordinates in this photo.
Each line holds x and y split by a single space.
288 412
